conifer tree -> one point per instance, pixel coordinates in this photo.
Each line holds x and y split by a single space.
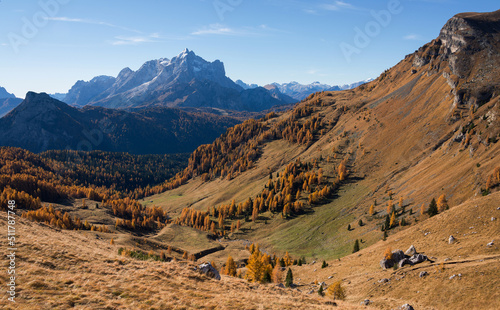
324 265
372 210
336 291
289 278
393 220
255 267
230 267
442 203
277 274
433 210
387 224
356 246
320 291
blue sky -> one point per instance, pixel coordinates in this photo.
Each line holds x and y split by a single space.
47 45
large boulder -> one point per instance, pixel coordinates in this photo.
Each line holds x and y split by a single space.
386 263
397 255
209 270
418 258
411 251
405 261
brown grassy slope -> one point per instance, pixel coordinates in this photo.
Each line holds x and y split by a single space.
471 225
70 270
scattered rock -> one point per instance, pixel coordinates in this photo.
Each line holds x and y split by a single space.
451 239
491 243
365 302
384 280
427 233
423 274
209 270
453 277
330 277
406 307
331 303
313 262
459 137
493 218
323 284
311 292
411 251
280 285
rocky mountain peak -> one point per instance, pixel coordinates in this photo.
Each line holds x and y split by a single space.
5 94
469 28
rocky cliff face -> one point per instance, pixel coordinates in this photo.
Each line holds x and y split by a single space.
467 54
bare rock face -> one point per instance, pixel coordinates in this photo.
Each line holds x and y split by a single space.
467 54
209 270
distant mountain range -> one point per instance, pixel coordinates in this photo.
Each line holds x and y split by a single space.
186 80
8 101
42 123
299 91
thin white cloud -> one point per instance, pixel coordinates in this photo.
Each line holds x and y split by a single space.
337 6
89 21
135 40
415 37
311 11
215 29
223 30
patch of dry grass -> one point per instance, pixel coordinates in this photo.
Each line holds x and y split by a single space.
71 270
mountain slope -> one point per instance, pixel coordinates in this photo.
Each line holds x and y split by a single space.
42 123
417 132
60 270
186 80
8 104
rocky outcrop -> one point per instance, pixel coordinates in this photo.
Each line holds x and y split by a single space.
209 270
401 259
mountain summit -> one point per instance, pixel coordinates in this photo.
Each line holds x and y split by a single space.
186 80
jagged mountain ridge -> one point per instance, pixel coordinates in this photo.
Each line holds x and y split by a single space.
42 123
186 80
